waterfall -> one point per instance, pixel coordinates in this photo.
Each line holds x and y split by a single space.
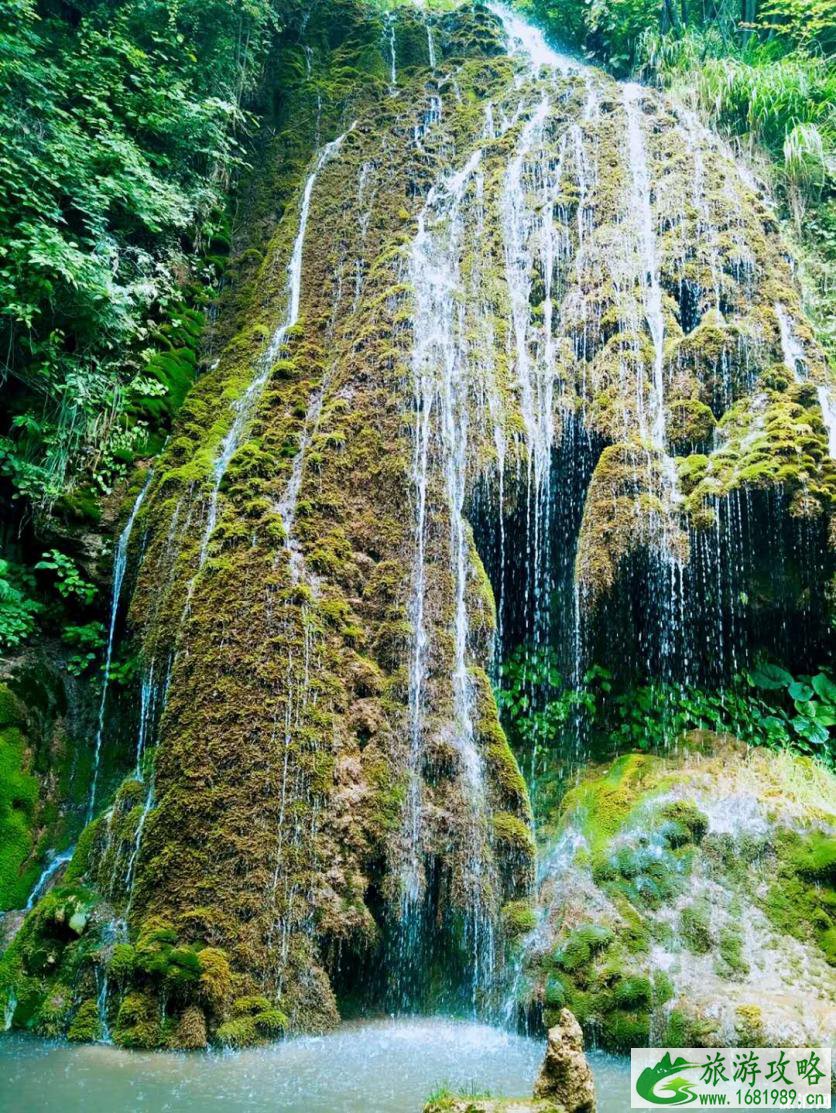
393 64
526 232
517 225
53 866
245 406
137 845
120 564
795 361
529 42
639 202
147 699
505 346
439 367
116 931
791 349
828 412
9 1009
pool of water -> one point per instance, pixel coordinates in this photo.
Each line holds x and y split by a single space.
382 1066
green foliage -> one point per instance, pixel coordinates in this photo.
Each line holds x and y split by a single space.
806 715
18 610
88 640
765 707
69 582
117 143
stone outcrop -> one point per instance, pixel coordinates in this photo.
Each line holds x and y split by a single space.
564 1085
566 1077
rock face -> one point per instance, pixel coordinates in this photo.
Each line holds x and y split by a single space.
689 901
566 1077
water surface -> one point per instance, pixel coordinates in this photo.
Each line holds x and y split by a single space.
386 1066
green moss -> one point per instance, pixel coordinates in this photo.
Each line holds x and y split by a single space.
695 927
800 900
685 823
580 947
622 1031
554 992
53 1013
86 1026
815 857
249 1006
138 1021
215 978
518 918
19 791
633 992
270 1023
684 1030
122 962
690 422
240 1032
514 833
749 1026
78 865
12 712
603 804
730 946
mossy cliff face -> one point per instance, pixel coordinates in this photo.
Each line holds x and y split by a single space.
689 901
443 269
45 717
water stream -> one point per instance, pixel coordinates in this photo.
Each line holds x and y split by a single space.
120 563
49 871
245 406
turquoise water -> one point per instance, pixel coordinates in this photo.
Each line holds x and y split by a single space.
385 1066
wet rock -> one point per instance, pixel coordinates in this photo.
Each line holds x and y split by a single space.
566 1077
564 1085
689 901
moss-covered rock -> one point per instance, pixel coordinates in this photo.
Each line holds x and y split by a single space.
693 897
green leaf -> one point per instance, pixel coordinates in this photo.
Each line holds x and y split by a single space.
800 692
824 687
771 677
810 729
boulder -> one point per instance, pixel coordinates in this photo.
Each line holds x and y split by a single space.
565 1076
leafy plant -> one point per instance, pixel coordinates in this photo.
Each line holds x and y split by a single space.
69 582
88 640
764 707
812 698
18 610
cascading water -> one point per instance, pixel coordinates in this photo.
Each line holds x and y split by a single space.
393 60
648 277
244 408
49 871
439 366
120 564
506 350
529 41
796 363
